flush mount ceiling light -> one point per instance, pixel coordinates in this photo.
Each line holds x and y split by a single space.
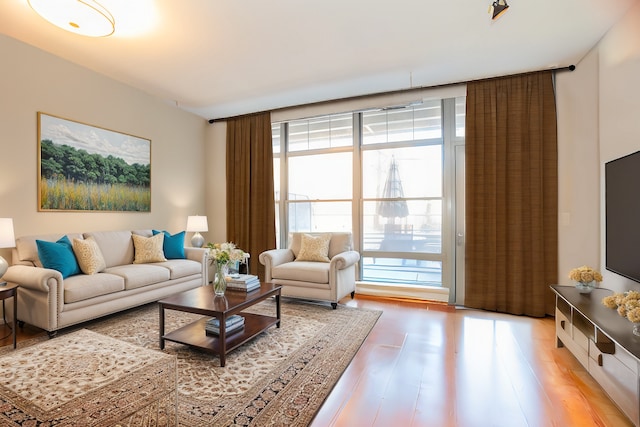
84 17
499 8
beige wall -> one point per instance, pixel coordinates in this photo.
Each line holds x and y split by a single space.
215 178
33 81
578 167
598 121
619 112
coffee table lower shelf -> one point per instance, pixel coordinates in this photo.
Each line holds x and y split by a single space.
194 334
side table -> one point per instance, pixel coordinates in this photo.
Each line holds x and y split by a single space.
8 291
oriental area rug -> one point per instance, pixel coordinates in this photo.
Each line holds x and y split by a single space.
280 378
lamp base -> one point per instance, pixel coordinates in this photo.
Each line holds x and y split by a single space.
197 241
4 265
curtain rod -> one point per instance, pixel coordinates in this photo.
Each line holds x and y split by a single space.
393 92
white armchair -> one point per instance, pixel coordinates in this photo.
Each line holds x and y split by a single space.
316 266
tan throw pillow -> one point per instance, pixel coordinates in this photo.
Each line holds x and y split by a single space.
148 249
89 256
314 248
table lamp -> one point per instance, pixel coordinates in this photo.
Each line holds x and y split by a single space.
197 224
7 240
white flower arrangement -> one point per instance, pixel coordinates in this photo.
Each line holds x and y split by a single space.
226 252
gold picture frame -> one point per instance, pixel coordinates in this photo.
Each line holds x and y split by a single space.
88 168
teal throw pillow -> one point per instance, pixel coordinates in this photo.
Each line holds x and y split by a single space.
173 246
58 256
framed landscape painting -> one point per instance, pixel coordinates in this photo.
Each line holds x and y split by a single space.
87 168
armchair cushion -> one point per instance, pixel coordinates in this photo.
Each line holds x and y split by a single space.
302 271
314 248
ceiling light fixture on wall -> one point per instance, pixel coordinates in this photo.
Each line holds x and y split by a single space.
84 17
499 8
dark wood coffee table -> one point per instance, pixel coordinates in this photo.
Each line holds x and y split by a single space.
203 301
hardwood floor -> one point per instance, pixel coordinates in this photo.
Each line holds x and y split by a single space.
427 364
435 365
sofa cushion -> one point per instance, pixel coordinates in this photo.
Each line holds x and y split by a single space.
139 275
173 246
181 268
116 246
88 255
314 248
58 256
303 271
148 249
82 287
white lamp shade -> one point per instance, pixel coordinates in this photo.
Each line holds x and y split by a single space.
197 223
86 17
7 237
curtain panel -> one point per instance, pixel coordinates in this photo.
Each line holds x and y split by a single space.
511 195
250 195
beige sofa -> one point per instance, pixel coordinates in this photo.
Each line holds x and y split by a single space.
48 301
328 276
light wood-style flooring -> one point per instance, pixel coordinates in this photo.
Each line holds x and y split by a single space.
428 364
434 365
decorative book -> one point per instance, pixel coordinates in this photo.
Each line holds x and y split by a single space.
242 279
232 320
212 330
246 288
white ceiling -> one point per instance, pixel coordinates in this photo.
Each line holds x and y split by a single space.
220 58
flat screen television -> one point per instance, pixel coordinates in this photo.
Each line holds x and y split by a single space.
622 210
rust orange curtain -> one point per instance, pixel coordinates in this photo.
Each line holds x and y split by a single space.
511 194
250 197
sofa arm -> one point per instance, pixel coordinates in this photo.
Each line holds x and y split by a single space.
36 278
344 260
200 255
196 254
273 258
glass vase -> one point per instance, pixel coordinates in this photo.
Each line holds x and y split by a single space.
585 287
220 279
636 329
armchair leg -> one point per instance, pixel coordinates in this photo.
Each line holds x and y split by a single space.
353 294
334 305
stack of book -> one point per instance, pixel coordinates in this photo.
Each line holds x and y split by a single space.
243 282
233 324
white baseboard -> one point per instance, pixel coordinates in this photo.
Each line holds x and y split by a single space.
430 293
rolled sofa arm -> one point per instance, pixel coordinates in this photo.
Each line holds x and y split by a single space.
200 255
344 260
36 278
273 258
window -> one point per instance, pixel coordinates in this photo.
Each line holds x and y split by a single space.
379 174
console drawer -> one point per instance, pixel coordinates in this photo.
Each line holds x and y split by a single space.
617 379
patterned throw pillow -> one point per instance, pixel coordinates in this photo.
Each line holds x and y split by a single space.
89 255
314 248
148 249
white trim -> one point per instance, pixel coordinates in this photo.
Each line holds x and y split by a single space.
430 293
